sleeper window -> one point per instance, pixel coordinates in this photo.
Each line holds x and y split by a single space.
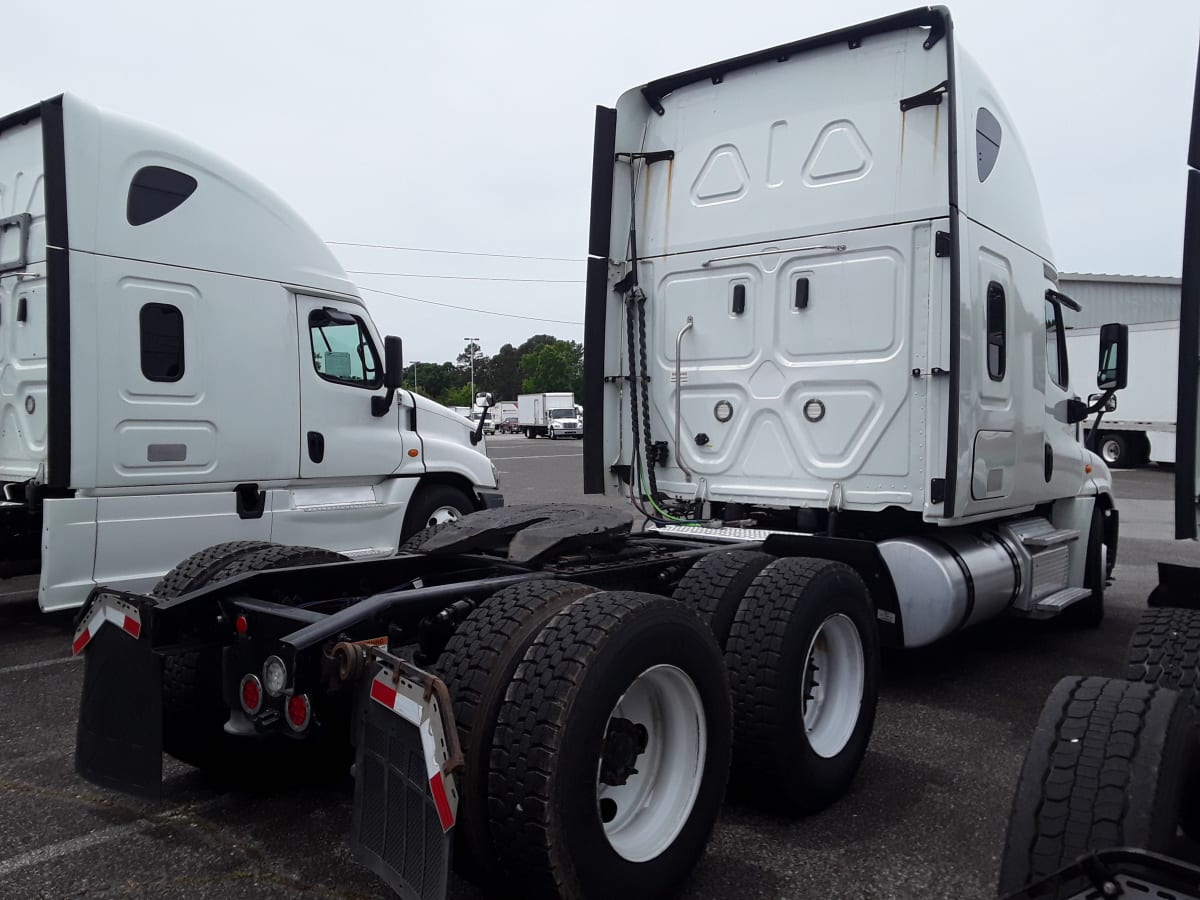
342 349
1056 345
997 332
161 329
987 142
154 192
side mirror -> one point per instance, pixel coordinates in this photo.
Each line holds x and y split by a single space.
393 362
1114 357
484 399
393 375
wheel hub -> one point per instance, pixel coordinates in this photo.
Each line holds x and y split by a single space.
623 744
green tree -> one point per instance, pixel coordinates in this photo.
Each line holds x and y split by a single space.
459 396
553 367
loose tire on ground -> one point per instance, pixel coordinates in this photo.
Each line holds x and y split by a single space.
1089 612
716 585
582 703
477 666
194 711
803 658
1107 767
434 504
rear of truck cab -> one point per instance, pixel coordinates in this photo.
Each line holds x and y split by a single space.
845 290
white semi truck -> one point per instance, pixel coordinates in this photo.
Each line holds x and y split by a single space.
825 359
549 415
1138 425
183 362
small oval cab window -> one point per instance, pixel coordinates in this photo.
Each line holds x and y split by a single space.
987 142
155 191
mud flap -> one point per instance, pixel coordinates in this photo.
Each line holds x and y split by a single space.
118 743
405 800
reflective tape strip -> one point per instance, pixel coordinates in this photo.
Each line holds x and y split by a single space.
407 709
106 610
411 711
438 788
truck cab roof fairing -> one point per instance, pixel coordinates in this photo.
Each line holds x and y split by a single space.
230 223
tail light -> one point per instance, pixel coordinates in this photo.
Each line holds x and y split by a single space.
251 693
299 712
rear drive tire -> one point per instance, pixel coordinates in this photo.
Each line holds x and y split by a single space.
1108 766
1089 612
611 751
413 543
1165 651
803 657
194 572
435 504
194 710
477 666
716 585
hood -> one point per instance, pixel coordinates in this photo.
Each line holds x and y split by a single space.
427 407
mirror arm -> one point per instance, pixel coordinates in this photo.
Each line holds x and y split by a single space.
1097 408
477 434
381 405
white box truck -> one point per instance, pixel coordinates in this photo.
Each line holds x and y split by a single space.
506 417
1138 425
550 415
826 360
184 362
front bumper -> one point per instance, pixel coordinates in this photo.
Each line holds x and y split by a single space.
491 499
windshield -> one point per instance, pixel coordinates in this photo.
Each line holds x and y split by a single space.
562 413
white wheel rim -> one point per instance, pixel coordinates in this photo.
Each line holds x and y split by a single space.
1110 451
444 514
832 684
647 812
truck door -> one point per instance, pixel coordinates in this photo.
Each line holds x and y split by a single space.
341 369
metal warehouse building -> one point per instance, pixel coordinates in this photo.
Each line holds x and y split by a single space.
1131 299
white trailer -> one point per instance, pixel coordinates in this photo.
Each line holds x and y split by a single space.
184 362
548 415
1138 425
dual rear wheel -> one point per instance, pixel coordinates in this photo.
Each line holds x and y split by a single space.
596 730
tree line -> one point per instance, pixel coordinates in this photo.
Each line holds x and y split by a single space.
542 363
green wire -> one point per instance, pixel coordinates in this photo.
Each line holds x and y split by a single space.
666 515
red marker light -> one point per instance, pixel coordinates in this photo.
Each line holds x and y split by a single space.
299 712
252 696
241 624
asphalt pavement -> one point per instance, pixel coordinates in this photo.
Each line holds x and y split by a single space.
924 819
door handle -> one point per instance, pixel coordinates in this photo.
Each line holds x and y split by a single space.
316 446
801 301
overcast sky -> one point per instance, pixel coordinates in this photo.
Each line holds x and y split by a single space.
468 125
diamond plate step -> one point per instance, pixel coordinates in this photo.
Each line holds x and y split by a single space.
1060 600
728 535
1050 538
